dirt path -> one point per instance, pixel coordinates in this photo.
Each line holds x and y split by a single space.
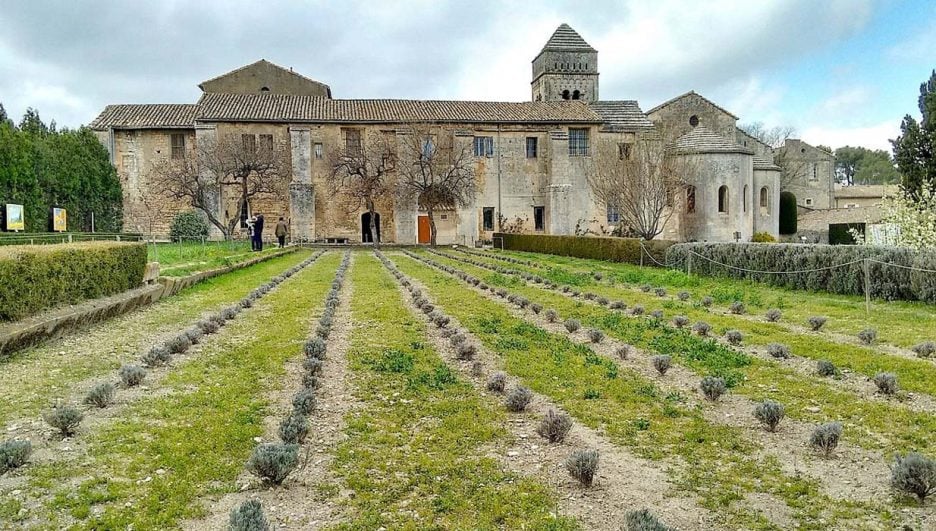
852 473
300 502
624 482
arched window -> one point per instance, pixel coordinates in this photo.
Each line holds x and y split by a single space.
690 200
744 198
576 94
723 199
565 94
765 199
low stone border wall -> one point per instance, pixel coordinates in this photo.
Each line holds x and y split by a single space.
56 323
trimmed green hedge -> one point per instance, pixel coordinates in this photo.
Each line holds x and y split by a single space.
890 282
39 277
612 249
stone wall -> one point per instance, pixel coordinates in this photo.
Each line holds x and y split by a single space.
673 118
262 75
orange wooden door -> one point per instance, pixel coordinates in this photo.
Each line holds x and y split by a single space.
422 229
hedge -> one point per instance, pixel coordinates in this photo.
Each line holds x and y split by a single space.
38 277
598 248
886 281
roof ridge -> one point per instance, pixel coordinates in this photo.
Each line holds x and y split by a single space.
693 93
261 60
564 37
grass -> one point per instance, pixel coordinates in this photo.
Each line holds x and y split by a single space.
416 447
914 375
30 379
873 425
635 413
185 258
900 323
200 434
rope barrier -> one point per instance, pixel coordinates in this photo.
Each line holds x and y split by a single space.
825 268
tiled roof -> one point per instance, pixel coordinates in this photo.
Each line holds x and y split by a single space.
622 115
703 140
286 108
864 190
692 93
566 38
147 116
762 163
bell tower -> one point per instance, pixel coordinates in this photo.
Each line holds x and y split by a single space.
566 68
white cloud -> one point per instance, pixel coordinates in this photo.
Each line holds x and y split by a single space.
845 102
874 136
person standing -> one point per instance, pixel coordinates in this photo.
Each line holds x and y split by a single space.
281 232
250 233
258 233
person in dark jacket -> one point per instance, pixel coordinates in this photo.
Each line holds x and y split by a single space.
258 233
281 232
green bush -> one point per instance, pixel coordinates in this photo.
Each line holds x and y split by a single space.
788 213
749 261
763 237
612 249
36 278
188 225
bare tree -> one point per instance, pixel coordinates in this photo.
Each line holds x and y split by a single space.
436 169
233 162
792 168
361 173
640 182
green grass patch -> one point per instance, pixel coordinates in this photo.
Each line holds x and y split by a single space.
414 453
634 412
200 435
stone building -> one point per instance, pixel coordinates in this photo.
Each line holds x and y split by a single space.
531 159
809 174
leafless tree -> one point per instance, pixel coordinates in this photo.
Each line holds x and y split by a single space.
362 172
436 169
232 162
641 182
792 168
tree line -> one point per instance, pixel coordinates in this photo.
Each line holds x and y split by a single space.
43 167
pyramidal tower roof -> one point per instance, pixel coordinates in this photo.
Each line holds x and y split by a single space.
566 38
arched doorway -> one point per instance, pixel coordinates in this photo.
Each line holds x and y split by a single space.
366 235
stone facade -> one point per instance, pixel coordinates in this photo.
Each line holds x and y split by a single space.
811 174
533 178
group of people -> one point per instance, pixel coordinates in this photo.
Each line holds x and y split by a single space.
255 229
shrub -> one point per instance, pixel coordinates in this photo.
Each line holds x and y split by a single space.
826 368
702 328
310 381
816 323
603 301
304 402
662 363
779 351
680 321
867 336
551 315
825 438
36 278
14 454
65 419
595 335
769 413
622 352
194 334
442 321
189 225
737 308
734 337
554 426
637 310
131 375
683 295
763 237
156 356
179 343
583 465
497 382
208 326
643 520
657 314
914 474
518 399
660 292
713 387
707 301
646 288
925 349
465 351
886 383
315 348
248 516
773 315
458 339
313 366
101 395
273 462
294 428
572 325
617 305
477 369
597 275
536 307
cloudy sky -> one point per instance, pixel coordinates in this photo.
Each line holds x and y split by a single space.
839 71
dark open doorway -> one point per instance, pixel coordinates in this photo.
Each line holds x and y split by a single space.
366 235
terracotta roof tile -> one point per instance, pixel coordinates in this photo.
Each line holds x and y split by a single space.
621 115
147 116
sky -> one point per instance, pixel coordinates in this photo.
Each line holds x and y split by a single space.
841 72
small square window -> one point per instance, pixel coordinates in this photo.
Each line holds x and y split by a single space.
484 146
808 201
614 215
578 142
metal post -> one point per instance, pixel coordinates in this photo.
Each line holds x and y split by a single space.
867 285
